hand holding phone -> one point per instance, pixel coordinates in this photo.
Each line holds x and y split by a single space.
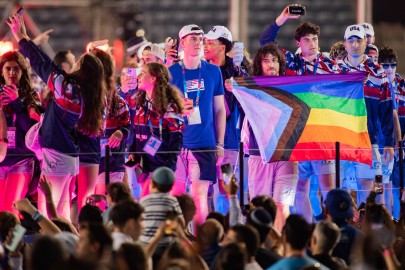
226 170
296 10
20 11
378 184
238 53
130 164
18 234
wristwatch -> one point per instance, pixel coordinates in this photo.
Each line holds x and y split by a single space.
4 140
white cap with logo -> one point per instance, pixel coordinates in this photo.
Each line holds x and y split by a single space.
154 50
355 30
368 29
219 31
190 29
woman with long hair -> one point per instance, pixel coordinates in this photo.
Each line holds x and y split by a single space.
19 101
158 122
117 126
77 104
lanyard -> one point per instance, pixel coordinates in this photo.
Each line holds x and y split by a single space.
303 67
160 127
147 112
183 71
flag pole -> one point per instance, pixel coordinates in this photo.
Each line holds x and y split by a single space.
401 169
337 164
107 166
241 180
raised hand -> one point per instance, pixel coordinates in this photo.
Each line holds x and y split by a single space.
16 24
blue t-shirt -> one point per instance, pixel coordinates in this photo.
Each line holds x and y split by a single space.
294 263
200 135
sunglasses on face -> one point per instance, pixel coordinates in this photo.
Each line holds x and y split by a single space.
392 65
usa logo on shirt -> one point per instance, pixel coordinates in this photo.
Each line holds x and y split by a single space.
192 85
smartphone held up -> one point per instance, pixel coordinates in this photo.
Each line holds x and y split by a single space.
296 10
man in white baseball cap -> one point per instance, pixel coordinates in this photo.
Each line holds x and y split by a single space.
190 29
151 53
379 109
217 43
369 31
203 135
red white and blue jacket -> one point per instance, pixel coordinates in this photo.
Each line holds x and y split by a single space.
172 136
61 115
377 96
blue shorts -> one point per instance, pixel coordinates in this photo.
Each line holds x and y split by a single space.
25 166
315 167
197 164
396 183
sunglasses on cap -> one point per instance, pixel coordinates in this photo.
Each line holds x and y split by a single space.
387 65
196 28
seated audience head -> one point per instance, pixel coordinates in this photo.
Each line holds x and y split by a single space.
296 232
63 224
338 205
231 257
69 242
267 203
127 217
211 232
223 220
376 216
262 221
177 264
325 237
269 61
246 236
188 207
7 222
90 214
162 179
118 192
47 254
93 242
131 257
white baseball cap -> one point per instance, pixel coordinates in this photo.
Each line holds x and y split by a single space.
190 29
355 30
368 29
155 50
219 31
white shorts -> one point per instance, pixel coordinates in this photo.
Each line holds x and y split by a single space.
57 163
276 179
362 170
115 177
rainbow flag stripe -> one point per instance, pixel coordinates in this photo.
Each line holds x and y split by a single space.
301 117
